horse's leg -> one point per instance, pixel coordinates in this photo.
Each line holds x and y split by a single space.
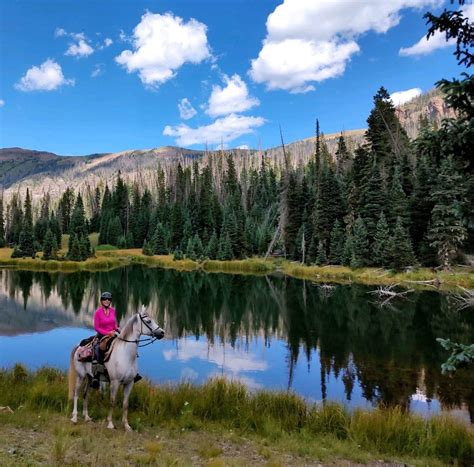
85 412
114 385
79 380
127 389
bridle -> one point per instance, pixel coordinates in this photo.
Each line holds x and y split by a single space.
147 340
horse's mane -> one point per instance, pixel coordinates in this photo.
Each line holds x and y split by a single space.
128 328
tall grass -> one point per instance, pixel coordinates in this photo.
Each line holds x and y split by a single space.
244 266
272 415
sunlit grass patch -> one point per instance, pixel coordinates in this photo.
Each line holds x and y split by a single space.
278 419
249 266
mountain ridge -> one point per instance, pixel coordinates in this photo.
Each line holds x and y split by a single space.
44 171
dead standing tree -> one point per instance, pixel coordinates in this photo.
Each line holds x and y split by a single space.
283 209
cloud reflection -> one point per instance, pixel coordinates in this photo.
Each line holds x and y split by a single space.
226 357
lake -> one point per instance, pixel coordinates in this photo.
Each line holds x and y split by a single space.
274 332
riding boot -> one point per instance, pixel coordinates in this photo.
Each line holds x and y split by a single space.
137 378
97 368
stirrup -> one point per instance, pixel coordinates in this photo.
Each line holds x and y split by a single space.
95 383
137 378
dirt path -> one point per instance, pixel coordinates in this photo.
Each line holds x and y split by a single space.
55 441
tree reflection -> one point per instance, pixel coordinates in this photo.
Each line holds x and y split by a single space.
389 353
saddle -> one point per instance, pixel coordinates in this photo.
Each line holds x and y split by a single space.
85 351
105 346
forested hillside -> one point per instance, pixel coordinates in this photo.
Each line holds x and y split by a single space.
388 201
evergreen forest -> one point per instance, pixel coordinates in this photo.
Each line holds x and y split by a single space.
391 202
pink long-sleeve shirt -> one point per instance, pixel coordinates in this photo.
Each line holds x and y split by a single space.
103 323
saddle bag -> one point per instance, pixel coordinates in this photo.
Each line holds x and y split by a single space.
85 353
85 350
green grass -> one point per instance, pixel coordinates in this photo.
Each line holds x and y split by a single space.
274 419
109 257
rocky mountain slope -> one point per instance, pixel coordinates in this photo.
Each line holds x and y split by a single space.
47 172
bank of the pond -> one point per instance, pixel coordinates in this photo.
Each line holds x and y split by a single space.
110 259
190 424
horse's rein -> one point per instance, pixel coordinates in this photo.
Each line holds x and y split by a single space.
148 340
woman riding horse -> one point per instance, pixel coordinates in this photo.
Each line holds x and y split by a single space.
105 324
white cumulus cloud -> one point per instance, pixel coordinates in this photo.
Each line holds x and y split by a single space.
222 130
310 41
186 110
437 41
79 49
162 44
400 97
108 42
60 32
426 46
232 98
47 77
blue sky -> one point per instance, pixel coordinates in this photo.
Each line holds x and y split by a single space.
81 77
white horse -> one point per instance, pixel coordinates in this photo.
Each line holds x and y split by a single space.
121 367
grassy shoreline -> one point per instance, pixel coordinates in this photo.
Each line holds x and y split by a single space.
110 259
217 420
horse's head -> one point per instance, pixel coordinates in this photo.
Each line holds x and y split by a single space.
149 326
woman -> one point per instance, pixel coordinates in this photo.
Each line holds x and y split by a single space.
105 323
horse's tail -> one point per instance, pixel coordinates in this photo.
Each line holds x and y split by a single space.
72 374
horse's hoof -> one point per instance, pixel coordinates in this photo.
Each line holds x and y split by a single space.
128 428
110 426
88 419
74 419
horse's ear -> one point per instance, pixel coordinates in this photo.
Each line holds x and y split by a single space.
143 309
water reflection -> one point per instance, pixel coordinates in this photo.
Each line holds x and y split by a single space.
267 331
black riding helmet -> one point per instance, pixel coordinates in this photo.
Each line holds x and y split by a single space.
105 296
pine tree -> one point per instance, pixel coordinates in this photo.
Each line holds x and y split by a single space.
348 249
386 136
14 220
2 225
421 203
398 201
48 245
402 251
447 231
189 252
373 200
65 209
26 242
336 255
360 245
79 232
74 253
114 231
198 247
159 241
147 249
342 156
120 202
212 246
321 258
381 253
106 214
225 249
95 218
